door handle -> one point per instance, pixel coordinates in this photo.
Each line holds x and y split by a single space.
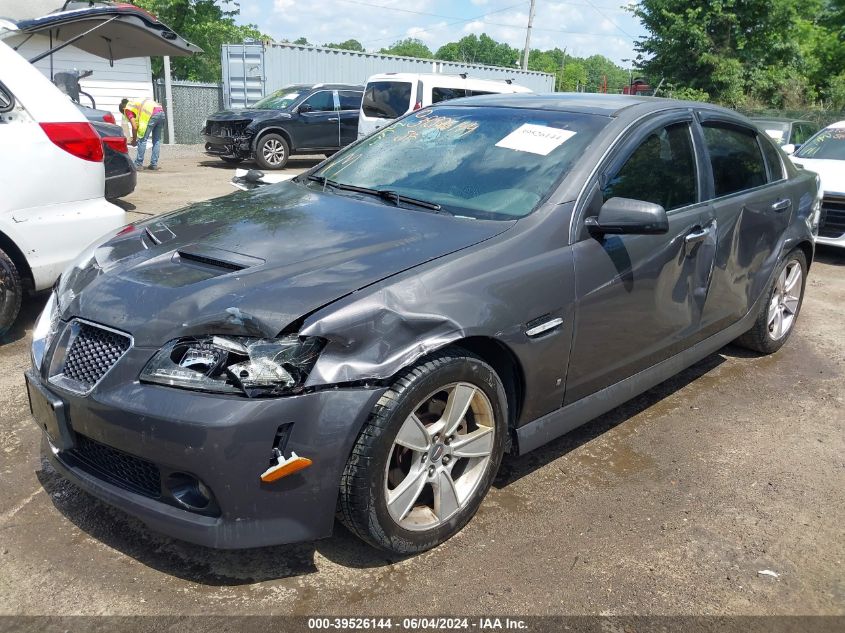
333 120
781 205
697 236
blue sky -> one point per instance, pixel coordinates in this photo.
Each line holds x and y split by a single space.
584 27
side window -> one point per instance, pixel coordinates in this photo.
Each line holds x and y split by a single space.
322 101
798 134
661 170
735 158
350 100
7 101
772 159
444 94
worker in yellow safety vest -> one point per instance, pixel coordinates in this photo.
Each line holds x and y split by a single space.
147 120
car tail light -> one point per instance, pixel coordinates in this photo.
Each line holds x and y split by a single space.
117 143
418 105
78 139
108 117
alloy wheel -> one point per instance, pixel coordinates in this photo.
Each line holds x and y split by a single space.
439 457
786 298
273 152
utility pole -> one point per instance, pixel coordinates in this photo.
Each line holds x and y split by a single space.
168 102
528 37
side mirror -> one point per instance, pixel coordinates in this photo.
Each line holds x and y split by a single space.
305 107
789 148
626 216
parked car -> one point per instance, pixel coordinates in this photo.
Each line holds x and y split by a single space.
121 175
51 169
790 134
297 119
478 277
824 154
388 96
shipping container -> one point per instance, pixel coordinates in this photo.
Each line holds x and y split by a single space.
251 71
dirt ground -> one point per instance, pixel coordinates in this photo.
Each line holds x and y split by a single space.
671 504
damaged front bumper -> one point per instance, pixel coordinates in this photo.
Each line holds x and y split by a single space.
149 450
228 146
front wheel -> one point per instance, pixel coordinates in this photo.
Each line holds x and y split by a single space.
272 152
11 292
778 314
427 456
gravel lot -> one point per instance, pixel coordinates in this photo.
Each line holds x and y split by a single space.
670 504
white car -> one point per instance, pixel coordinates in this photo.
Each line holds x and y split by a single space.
51 179
390 95
824 153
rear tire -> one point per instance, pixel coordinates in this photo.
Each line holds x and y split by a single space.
11 292
779 312
272 152
427 455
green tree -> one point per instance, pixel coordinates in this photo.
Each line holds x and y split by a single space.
348 45
207 23
409 47
301 41
779 53
472 49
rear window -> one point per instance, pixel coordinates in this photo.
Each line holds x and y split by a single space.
350 99
387 99
736 159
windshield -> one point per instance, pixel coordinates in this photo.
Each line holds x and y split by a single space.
278 100
481 162
387 99
776 130
829 143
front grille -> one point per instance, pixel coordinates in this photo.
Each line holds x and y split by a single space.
119 468
93 352
832 221
228 129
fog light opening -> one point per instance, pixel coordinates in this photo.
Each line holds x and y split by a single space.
189 491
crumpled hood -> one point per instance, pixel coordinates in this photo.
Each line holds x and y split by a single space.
253 262
831 172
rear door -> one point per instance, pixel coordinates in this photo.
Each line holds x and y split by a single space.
350 106
316 123
384 100
752 203
640 297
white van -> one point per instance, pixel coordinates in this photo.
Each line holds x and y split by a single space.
390 95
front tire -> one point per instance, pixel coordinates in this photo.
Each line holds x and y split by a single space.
427 455
779 313
272 152
11 292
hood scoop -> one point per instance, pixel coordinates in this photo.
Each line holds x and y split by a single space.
212 258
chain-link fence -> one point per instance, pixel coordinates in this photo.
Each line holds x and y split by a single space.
192 103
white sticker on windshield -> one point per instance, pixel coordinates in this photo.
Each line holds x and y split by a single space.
537 139
775 134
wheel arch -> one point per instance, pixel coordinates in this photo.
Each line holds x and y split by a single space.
18 258
809 250
506 365
272 130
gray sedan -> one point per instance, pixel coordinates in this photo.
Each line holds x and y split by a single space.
475 279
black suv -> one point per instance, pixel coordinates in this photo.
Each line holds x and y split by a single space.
297 119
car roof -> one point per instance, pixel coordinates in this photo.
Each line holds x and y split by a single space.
321 87
589 103
836 126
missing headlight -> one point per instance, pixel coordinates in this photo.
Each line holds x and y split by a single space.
234 364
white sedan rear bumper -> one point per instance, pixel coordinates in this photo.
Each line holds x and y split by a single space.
51 237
